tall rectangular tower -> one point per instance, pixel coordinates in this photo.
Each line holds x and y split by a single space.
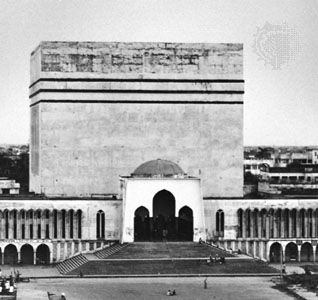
99 110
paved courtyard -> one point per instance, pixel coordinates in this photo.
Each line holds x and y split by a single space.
152 288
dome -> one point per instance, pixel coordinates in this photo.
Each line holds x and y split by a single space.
158 168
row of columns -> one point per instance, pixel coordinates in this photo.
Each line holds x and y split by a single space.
45 224
277 224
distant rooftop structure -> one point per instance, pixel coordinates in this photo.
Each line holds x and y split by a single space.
9 186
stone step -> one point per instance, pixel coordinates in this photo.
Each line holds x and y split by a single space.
71 264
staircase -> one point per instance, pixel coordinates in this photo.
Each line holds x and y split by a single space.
71 264
104 253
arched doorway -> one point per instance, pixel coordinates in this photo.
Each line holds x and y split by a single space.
275 252
291 252
141 224
10 255
42 254
306 252
164 221
27 254
185 224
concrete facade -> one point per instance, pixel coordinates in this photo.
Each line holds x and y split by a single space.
98 110
140 192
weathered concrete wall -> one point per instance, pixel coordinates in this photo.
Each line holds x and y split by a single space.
158 58
105 108
86 147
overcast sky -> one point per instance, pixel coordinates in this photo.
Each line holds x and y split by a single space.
280 101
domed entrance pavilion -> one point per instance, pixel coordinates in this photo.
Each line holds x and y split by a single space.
162 203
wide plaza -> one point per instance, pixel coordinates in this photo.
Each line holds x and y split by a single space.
153 288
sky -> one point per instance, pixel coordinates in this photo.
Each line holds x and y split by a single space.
280 53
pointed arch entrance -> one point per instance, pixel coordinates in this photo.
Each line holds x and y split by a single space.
185 224
141 224
164 220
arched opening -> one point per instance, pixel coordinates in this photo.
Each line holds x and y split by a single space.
164 221
291 252
309 223
240 223
79 224
302 215
27 254
10 255
42 255
263 223
248 222
100 225
185 224
278 223
306 252
255 223
219 223
141 224
294 223
275 252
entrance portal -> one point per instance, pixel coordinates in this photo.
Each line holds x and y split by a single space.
164 221
141 224
42 255
10 255
27 254
185 224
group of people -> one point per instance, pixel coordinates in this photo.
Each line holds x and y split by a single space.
171 293
7 285
216 259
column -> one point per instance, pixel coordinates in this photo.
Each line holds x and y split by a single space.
72 248
43 225
34 257
58 251
252 224
75 226
80 247
51 256
314 252
284 258
299 254
259 220
267 226
67 224
59 224
19 256
51 224
65 251
313 224
27 226
297 224
282 225
290 229
19 225
275 221
306 224
2 257
2 226
10 225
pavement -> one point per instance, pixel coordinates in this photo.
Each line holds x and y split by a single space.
294 268
153 288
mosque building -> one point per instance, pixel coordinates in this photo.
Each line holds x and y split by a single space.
143 142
